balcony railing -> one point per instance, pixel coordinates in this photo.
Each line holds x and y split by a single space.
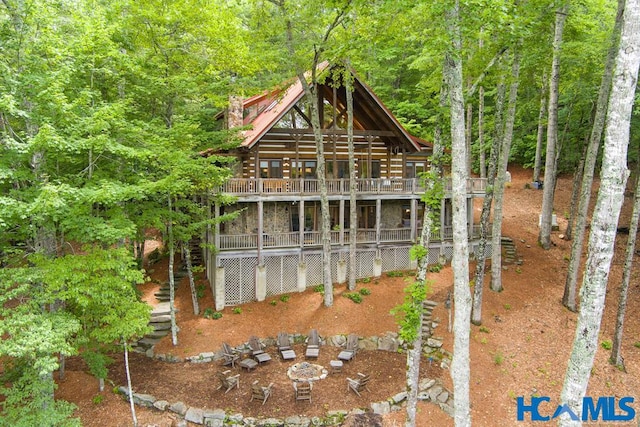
266 186
313 238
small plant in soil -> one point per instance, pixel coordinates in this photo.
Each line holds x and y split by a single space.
507 306
365 291
636 344
498 358
395 274
97 399
318 288
435 268
285 298
606 344
484 329
354 296
200 290
237 310
273 302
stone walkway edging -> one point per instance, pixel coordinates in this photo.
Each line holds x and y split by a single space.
428 390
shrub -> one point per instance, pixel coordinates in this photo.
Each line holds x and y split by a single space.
216 315
435 268
395 274
237 310
200 290
318 288
285 297
636 344
365 291
273 302
210 313
606 344
97 399
354 296
484 329
498 358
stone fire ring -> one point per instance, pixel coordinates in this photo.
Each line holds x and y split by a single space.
305 371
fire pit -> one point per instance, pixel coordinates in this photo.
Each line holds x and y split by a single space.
305 371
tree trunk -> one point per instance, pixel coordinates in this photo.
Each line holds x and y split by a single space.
172 285
353 212
544 237
129 387
569 296
616 349
496 232
460 366
605 216
468 136
186 249
575 193
481 153
476 309
541 116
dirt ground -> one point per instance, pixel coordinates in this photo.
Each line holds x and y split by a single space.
521 349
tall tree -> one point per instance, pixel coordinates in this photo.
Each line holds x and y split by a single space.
569 296
604 222
544 237
537 162
460 367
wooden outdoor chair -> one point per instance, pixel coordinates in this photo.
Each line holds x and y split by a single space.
228 381
358 384
260 393
303 390
284 346
313 345
229 356
351 348
257 350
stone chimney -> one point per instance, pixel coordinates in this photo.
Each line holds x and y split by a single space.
235 113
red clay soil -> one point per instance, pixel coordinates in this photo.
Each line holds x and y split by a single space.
521 349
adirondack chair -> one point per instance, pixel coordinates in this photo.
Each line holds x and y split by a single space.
257 350
351 348
259 392
284 346
358 384
303 390
313 344
228 381
229 356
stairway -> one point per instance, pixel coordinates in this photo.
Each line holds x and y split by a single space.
510 256
196 252
427 317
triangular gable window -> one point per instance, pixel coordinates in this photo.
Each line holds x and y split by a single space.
295 118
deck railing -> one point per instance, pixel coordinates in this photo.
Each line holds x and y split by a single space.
266 186
313 238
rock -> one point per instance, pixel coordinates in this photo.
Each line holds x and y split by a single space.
434 342
214 414
388 343
179 408
425 384
423 395
297 421
369 344
270 422
434 392
381 408
443 397
212 422
146 400
399 397
161 404
195 415
179 423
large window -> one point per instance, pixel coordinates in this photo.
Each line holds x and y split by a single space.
342 169
270 169
364 171
304 169
414 169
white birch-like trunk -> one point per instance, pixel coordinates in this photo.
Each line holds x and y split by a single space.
616 348
575 192
460 365
604 222
129 387
503 161
172 282
569 296
192 284
353 212
544 237
481 151
541 125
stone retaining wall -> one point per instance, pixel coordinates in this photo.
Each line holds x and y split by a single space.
430 390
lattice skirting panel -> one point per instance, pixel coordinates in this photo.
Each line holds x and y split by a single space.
282 274
240 279
395 259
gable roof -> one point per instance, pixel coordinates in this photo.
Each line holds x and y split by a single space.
268 108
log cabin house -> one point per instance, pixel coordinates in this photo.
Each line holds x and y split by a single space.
273 247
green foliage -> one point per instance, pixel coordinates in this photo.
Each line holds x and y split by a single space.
418 252
200 289
606 344
97 363
395 273
210 313
498 358
484 329
435 268
237 310
285 297
409 313
354 296
636 344
273 302
318 288
365 291
97 399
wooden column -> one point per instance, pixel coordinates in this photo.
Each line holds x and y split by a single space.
378 219
260 230
301 222
414 219
341 219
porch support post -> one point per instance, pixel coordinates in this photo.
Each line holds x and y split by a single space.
414 219
302 277
219 279
378 219
341 219
442 219
261 282
260 230
301 222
